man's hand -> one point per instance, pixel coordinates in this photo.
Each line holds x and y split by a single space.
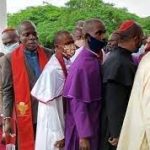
3 141
6 129
84 144
60 144
113 141
7 126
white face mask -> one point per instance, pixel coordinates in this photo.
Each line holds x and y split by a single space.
11 47
141 49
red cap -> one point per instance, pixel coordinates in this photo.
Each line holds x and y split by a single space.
126 25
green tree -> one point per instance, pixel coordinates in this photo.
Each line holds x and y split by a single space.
50 19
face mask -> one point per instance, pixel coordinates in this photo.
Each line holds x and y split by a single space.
94 44
136 50
69 50
141 49
11 47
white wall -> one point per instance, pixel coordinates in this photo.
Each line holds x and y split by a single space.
3 19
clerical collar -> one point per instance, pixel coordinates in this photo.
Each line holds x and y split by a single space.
125 50
92 52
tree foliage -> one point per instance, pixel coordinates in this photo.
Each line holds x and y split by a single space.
50 19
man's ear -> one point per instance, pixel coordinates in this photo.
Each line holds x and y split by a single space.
136 38
37 37
86 35
19 39
55 50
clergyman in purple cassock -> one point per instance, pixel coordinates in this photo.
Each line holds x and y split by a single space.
82 91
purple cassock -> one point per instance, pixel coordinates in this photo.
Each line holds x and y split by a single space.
82 91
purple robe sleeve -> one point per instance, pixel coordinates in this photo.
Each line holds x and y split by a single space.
82 118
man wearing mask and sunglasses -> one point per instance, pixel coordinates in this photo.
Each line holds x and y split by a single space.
82 91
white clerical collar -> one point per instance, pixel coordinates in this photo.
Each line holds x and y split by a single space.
92 51
77 52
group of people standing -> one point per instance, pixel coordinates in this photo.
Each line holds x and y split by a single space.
75 97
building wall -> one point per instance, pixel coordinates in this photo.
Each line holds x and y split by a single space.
3 19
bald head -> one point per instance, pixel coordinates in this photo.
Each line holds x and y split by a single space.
80 24
113 39
25 24
62 38
77 34
94 34
94 27
9 36
28 35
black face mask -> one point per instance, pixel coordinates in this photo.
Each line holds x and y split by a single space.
94 44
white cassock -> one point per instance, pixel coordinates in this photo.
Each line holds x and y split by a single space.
135 133
48 90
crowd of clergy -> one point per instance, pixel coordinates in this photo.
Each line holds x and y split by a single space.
85 93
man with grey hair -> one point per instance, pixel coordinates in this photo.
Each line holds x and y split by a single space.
20 70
